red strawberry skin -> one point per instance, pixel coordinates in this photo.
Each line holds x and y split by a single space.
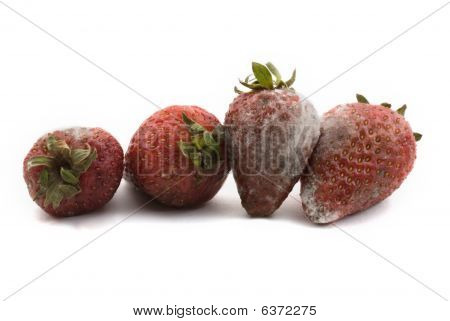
155 164
251 122
364 153
98 184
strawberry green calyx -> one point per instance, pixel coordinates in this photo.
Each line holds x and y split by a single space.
265 77
62 167
401 111
203 149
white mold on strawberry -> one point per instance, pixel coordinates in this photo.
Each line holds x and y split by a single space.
363 155
270 132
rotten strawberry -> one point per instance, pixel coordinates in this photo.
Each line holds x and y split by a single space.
177 156
270 131
73 171
364 153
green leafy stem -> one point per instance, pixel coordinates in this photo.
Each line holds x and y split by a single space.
203 149
265 77
62 167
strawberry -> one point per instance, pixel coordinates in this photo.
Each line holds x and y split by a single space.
270 133
364 153
177 156
73 171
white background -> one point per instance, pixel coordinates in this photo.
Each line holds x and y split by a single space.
180 52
